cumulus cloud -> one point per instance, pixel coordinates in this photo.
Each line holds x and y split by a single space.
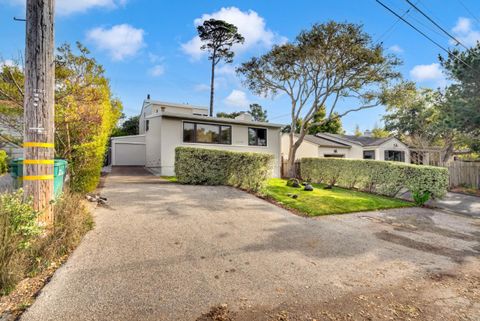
66 7
465 32
250 25
157 70
428 73
237 98
120 41
396 49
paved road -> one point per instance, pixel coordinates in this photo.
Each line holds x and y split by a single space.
460 203
164 251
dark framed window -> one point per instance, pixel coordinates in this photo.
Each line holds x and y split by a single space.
394 155
147 125
368 154
257 136
204 133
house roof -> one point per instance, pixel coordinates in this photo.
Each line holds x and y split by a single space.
214 119
358 140
325 142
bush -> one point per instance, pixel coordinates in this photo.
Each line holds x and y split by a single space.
248 171
18 228
3 161
380 177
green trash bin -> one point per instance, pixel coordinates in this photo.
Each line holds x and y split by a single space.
59 173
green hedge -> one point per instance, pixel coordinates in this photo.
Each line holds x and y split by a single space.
248 171
3 161
379 177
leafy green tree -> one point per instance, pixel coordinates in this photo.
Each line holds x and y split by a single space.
85 112
218 37
128 127
463 96
378 132
333 126
357 131
258 113
322 66
229 115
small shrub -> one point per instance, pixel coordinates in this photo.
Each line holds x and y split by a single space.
18 229
3 162
379 177
420 198
293 182
248 171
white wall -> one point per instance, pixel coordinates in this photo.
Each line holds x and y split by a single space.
393 144
162 145
306 149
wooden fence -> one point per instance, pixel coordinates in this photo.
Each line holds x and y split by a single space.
464 174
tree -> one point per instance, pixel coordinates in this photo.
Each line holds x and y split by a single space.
378 132
258 113
85 112
421 117
463 96
332 126
357 131
128 127
218 37
324 65
229 115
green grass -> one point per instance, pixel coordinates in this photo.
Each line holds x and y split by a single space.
171 179
324 202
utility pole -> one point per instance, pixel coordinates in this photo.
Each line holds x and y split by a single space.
39 129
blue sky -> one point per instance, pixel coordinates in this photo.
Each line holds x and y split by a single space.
148 47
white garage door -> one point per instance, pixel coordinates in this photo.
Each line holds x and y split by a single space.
128 154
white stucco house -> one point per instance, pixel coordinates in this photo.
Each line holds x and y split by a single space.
163 126
349 146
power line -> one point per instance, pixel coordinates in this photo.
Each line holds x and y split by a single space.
425 35
469 11
436 24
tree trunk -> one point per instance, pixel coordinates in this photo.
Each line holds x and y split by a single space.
39 107
293 151
212 86
447 153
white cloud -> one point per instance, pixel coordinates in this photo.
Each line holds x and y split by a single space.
7 62
465 32
396 49
66 7
226 69
120 41
201 88
237 98
250 25
157 70
429 73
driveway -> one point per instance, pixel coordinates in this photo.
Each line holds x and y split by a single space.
460 203
163 251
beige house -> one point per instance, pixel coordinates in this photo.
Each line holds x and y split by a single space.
349 146
164 126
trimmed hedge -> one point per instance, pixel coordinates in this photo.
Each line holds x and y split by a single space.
379 177
248 171
3 161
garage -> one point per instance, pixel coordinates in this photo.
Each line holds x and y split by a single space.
128 150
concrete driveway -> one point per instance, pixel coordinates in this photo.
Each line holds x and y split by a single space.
164 251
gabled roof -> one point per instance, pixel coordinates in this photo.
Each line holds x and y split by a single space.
325 142
358 140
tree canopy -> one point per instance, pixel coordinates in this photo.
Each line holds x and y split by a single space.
329 63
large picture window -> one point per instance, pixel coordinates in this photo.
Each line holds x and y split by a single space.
394 155
257 136
207 133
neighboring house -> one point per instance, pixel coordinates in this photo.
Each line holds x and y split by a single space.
12 150
349 146
164 126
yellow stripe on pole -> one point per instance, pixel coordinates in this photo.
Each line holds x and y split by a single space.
37 177
38 161
37 144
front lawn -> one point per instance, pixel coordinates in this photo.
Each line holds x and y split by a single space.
322 201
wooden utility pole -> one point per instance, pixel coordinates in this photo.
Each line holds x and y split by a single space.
39 129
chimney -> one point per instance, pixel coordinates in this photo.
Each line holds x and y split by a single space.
148 96
367 133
